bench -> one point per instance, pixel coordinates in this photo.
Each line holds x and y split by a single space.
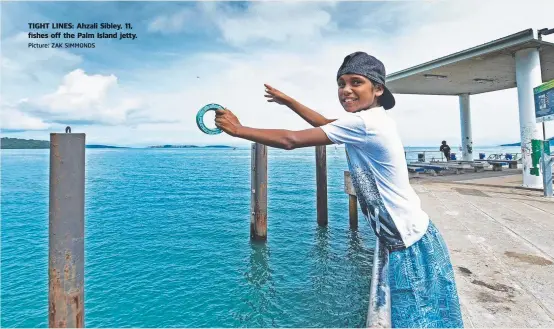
457 165
497 164
459 168
415 170
478 166
428 168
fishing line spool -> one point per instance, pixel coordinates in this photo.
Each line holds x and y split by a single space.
200 119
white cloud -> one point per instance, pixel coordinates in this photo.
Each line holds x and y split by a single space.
446 28
174 22
260 22
85 98
297 47
15 120
25 69
277 22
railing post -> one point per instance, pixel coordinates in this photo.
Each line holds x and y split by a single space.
353 211
66 243
353 200
379 309
321 181
258 200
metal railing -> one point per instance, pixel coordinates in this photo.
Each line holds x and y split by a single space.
379 313
427 155
505 156
434 156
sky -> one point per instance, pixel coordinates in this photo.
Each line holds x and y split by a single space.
147 91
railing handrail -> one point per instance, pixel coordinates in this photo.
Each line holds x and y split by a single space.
516 156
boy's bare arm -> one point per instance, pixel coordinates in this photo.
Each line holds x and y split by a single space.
311 116
284 139
280 138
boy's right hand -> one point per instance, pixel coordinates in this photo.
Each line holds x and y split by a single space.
276 96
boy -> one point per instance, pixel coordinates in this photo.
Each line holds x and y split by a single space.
423 290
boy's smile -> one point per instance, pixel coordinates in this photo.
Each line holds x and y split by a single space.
357 92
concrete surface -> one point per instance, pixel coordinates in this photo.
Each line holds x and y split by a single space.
501 240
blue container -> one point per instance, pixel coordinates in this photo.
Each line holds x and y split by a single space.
508 156
481 156
452 156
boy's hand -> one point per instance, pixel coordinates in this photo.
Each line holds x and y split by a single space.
227 121
276 96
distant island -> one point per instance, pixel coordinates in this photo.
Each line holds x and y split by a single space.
18 143
94 146
190 146
551 140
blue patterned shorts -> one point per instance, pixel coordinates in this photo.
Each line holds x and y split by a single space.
422 285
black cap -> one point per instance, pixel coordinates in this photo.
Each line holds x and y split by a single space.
370 67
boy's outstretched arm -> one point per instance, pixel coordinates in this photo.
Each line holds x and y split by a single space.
311 116
279 138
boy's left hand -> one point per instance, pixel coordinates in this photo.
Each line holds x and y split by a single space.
227 121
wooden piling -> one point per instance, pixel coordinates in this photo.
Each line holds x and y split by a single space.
258 200
321 181
353 200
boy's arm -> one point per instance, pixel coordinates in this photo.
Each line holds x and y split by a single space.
311 116
284 139
280 138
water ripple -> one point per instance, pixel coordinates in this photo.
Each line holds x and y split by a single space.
167 242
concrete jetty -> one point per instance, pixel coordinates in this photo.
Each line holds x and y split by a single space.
501 240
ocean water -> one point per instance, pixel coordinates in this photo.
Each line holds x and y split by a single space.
167 241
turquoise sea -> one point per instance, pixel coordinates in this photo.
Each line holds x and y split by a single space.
167 241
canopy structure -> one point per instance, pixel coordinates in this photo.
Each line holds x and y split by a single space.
518 60
481 69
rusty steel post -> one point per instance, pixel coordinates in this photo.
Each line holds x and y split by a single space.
66 231
352 200
321 181
258 200
353 211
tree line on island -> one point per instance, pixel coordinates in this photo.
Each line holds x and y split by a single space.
550 140
18 143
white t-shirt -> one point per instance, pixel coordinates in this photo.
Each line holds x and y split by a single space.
379 173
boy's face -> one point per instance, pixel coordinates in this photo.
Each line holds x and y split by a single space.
356 92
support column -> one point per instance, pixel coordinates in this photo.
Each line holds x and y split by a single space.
353 201
321 183
528 76
465 123
66 231
258 199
